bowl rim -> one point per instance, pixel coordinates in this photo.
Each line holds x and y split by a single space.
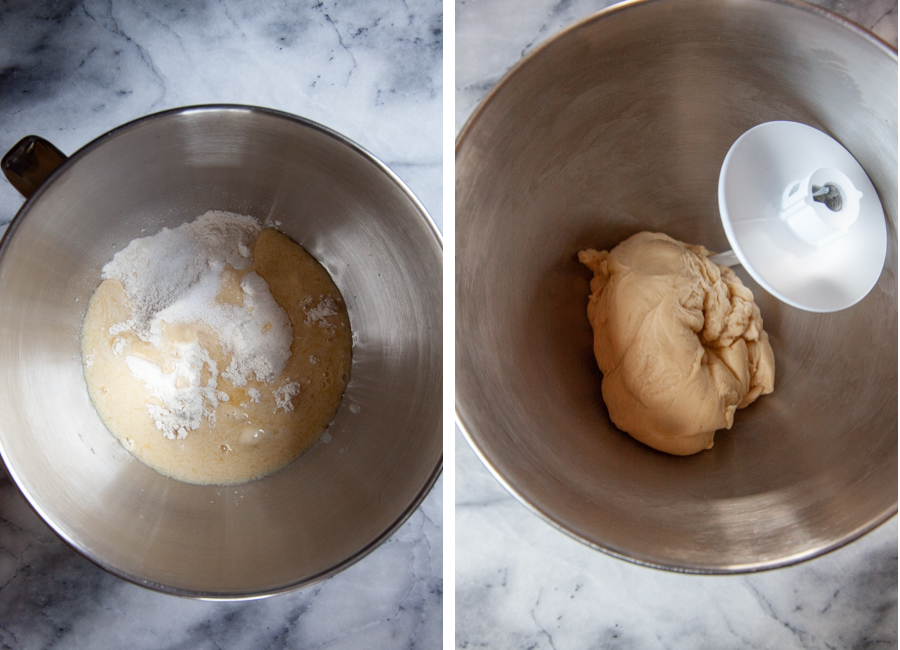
628 5
465 425
10 469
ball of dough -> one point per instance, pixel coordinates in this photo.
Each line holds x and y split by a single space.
679 340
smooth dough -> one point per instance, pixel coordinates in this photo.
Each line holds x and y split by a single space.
679 340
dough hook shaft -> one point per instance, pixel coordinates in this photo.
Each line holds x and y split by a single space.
728 258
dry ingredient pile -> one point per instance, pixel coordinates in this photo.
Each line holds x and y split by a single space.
679 340
216 352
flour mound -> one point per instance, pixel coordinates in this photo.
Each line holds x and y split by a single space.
159 269
175 276
184 400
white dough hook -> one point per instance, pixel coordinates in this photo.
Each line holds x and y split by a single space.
802 217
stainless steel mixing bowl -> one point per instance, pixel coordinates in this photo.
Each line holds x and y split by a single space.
338 501
620 124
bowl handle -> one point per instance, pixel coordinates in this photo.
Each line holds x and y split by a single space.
30 162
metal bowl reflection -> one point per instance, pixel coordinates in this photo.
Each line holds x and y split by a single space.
620 124
339 500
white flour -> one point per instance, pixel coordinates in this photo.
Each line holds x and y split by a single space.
184 400
160 269
174 277
326 307
285 394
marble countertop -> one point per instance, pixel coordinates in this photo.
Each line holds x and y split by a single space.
521 583
70 71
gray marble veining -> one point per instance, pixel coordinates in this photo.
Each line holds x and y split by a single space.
52 597
521 583
369 70
70 71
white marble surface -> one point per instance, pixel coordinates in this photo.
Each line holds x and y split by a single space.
372 70
522 584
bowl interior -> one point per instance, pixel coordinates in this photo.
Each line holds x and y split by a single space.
337 501
620 124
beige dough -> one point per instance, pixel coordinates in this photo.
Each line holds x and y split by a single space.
679 341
